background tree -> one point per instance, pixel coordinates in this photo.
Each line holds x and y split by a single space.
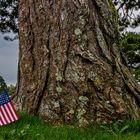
70 68
9 17
11 89
2 84
127 10
130 44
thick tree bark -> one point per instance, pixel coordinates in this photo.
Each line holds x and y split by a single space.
70 67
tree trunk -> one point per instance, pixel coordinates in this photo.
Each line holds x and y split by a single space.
70 67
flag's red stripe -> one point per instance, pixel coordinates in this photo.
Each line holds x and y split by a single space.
14 110
12 116
5 120
11 112
8 115
5 113
1 117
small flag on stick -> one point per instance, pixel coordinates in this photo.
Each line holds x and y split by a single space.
8 113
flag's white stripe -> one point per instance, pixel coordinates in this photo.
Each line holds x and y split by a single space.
13 111
9 112
2 118
5 114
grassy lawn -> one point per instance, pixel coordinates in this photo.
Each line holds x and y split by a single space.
33 128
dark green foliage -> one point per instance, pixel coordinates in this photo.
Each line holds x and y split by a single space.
11 89
9 16
127 13
2 84
130 44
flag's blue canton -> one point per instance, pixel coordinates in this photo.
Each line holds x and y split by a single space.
4 98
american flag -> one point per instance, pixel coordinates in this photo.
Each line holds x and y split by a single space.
8 113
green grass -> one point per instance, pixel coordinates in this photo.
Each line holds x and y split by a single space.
33 128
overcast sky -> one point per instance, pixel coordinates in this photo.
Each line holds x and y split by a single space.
9 59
